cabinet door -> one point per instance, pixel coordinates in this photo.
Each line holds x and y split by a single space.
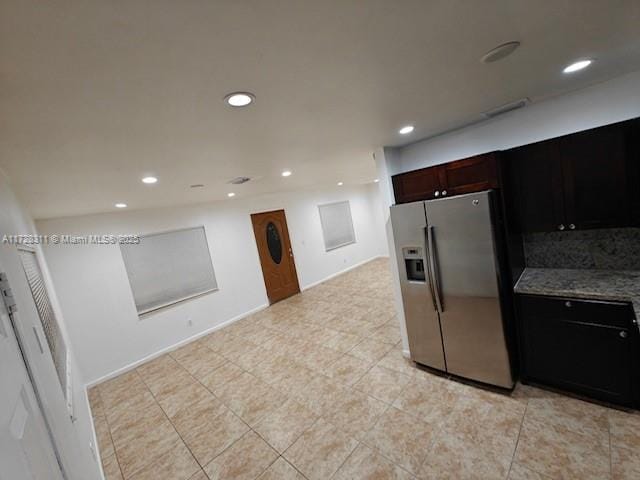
597 193
633 137
417 185
473 174
580 352
536 175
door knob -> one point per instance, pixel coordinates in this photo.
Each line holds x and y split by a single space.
572 226
561 227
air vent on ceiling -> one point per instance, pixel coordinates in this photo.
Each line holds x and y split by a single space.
507 107
499 52
239 180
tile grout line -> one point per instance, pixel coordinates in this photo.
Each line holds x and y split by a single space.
380 452
321 373
515 450
104 414
250 428
610 448
333 475
168 419
388 407
438 429
287 449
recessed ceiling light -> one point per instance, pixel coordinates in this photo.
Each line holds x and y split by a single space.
376 180
231 194
286 173
149 180
240 99
340 184
121 205
406 130
576 66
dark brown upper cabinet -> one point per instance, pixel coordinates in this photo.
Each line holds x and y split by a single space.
472 174
417 185
597 178
579 181
536 180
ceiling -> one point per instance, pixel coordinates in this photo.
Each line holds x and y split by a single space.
95 94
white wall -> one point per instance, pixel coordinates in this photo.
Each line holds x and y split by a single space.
385 157
601 104
94 291
608 102
72 438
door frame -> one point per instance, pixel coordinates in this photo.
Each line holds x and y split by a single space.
291 254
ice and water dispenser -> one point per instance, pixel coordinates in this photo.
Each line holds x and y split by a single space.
414 263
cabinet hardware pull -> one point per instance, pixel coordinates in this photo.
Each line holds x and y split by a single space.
623 334
572 226
437 194
444 192
568 304
561 227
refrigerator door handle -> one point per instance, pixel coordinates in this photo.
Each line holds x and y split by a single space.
434 268
428 269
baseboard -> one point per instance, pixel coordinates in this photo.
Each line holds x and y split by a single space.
175 346
337 274
95 447
170 348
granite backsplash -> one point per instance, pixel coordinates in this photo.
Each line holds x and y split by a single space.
607 249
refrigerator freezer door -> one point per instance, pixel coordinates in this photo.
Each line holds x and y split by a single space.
467 280
423 326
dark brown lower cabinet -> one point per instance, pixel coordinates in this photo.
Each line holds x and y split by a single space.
586 347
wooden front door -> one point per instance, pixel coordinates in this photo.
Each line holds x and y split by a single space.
276 256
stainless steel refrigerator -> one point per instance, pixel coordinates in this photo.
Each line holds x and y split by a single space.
452 280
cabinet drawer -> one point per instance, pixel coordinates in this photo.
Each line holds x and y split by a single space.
615 314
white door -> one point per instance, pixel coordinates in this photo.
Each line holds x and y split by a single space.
29 323
26 450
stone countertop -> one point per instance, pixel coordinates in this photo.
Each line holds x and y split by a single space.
621 285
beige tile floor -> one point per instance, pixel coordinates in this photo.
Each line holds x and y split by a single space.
316 388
